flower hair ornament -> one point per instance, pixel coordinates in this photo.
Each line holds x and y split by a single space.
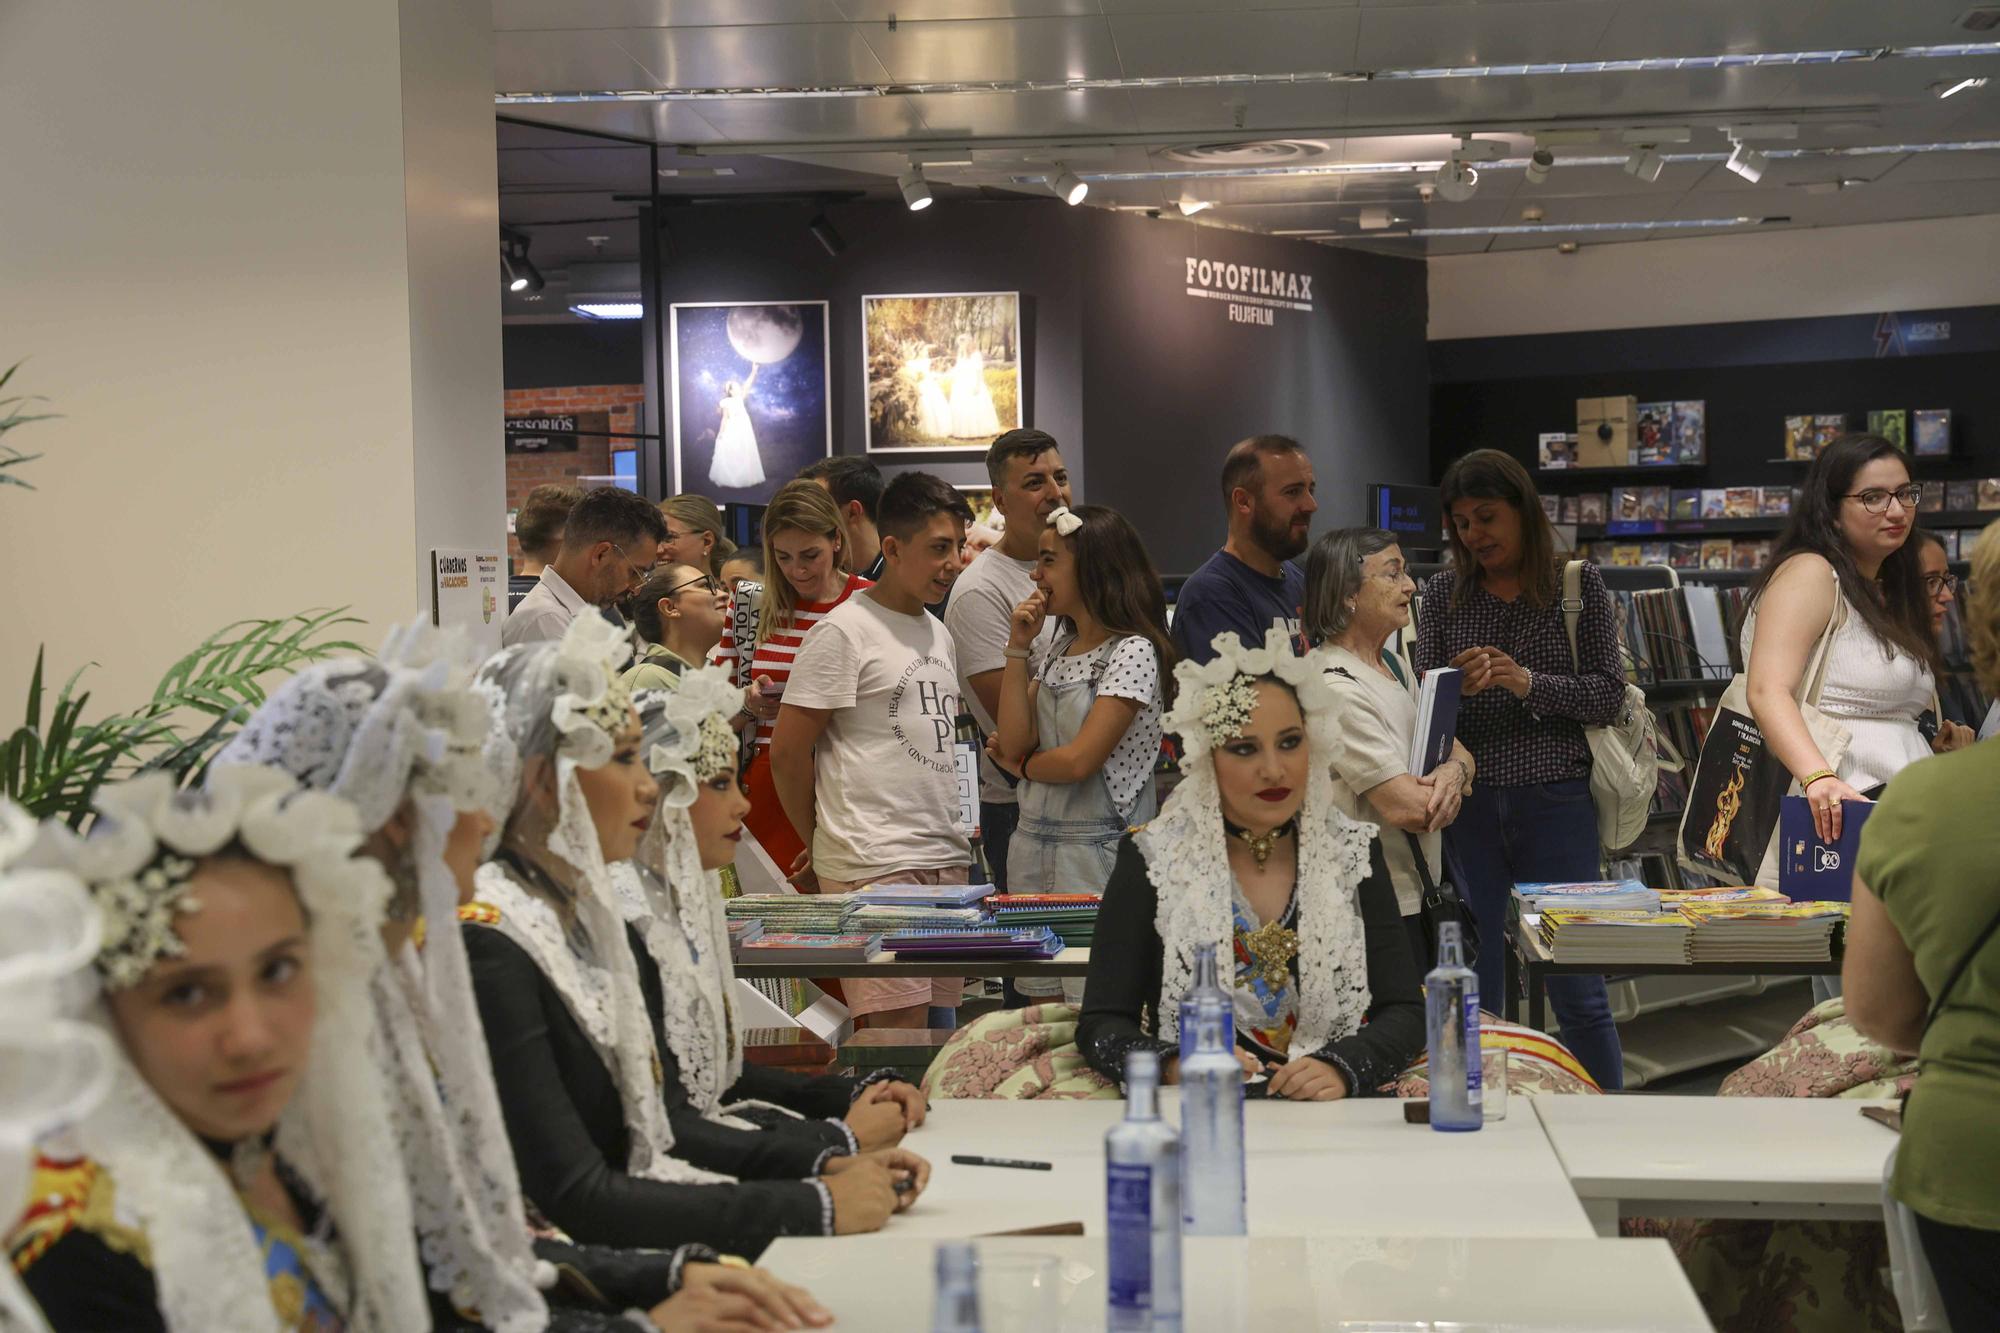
404 732
207 1265
562 701
1064 522
677 905
1186 846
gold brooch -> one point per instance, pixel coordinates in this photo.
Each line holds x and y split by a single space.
1273 946
1260 844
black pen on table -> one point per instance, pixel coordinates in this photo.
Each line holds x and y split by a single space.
1017 1163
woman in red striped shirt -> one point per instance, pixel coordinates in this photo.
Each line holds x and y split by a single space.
806 557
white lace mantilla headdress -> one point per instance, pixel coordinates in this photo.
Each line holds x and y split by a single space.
1186 847
405 731
664 892
563 701
335 1133
53 1069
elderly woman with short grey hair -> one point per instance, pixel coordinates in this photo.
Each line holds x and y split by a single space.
1358 592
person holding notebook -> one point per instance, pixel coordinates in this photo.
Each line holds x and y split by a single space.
1358 592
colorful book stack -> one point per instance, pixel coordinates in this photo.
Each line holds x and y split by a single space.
792 913
811 948
921 895
1673 900
974 945
1763 932
1611 936
742 931
1070 915
890 918
1596 895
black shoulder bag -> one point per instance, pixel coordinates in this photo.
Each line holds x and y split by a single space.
1442 903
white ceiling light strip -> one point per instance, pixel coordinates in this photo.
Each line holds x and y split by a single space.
1646 65
1539 228
1521 163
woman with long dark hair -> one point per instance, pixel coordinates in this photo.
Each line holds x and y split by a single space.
1081 726
1844 571
1496 615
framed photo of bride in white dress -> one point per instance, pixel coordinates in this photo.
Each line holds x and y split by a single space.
751 396
944 370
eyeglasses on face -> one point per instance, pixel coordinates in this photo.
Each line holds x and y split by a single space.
1876 500
705 582
1937 583
637 572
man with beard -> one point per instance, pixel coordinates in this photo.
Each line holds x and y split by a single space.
1029 483
1251 583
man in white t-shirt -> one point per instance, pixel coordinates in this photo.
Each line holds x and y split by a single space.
1029 483
864 755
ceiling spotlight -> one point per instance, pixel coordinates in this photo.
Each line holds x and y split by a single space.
1068 187
1532 213
1748 163
1376 219
1457 180
822 231
916 190
516 281
517 272
1190 207
1944 90
1646 164
530 276
1540 163
1566 248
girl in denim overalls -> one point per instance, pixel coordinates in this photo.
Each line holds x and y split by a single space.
1081 726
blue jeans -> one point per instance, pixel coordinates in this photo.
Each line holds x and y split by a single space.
1546 833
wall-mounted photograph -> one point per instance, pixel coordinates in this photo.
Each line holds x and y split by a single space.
751 402
981 500
944 371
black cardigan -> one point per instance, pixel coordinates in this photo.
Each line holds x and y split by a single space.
1124 981
567 1126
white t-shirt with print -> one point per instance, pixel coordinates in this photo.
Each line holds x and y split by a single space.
1132 672
886 788
979 616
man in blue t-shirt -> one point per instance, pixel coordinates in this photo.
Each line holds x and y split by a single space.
1251 583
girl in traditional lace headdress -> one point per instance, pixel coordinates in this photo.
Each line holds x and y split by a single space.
574 1043
240 1174
400 738
1250 855
671 892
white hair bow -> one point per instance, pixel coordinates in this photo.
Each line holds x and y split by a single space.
1063 521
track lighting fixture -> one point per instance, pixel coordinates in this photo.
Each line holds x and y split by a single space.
1748 163
1540 163
517 272
822 231
1646 164
916 190
1457 181
1068 186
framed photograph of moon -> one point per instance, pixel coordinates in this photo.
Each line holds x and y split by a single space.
944 371
751 396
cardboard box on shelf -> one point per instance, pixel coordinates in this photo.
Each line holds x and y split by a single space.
1605 431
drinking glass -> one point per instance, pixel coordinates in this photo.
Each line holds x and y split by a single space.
1020 1293
1493 1083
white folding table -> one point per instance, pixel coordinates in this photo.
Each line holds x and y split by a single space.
1761 1157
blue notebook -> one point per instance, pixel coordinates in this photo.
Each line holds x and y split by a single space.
1437 719
1811 870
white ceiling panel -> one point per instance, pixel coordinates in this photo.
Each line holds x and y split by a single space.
557 61
1312 109
764 55
1418 37
1040 115
528 15
1259 42
974 49
911 11
845 119
1713 27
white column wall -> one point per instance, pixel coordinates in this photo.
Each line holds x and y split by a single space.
249 253
1747 275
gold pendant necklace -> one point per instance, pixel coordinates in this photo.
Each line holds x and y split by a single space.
1260 845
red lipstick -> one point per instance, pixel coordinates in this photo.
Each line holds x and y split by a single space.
1274 794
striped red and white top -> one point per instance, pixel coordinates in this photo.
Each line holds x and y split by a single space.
774 656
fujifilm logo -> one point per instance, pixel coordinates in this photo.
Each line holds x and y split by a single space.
1253 295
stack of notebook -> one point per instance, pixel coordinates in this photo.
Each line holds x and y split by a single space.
1618 895
1674 899
1763 932
742 930
792 913
985 944
1070 915
1613 936
891 917
922 895
783 948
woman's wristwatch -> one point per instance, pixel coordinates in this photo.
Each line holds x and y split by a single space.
1464 776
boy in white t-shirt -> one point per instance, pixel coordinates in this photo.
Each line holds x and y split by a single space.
864 753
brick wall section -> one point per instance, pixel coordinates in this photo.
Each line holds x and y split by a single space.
527 471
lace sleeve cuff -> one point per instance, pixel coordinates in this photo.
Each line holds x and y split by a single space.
825 1207
879 1076
1112 1048
685 1255
846 1132
1358 1076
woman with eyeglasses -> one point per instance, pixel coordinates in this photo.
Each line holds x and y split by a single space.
680 612
1845 560
1940 591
